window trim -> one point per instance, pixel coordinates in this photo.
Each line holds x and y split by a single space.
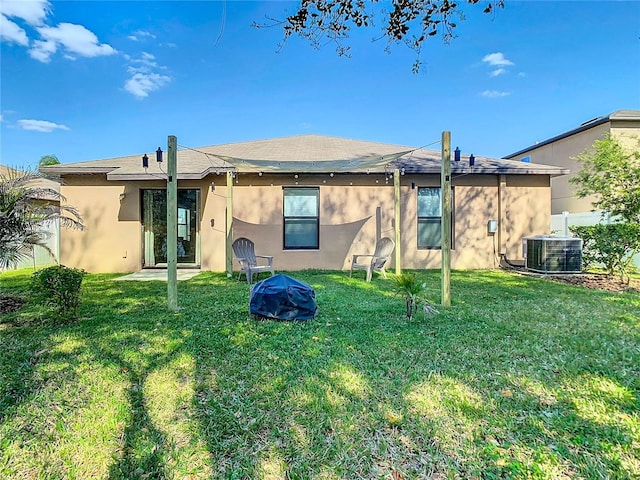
428 219
298 217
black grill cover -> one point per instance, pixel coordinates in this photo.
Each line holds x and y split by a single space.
284 298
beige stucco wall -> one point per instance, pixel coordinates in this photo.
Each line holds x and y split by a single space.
112 238
562 153
355 212
354 216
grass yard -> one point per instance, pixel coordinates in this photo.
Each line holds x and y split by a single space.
520 378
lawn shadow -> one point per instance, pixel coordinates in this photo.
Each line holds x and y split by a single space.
493 384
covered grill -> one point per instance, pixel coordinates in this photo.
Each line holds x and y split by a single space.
283 298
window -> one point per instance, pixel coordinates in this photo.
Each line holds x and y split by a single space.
301 218
430 217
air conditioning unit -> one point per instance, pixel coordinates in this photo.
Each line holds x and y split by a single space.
550 254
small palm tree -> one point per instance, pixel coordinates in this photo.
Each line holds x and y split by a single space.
25 211
408 285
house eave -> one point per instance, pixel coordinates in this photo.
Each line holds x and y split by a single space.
62 170
620 115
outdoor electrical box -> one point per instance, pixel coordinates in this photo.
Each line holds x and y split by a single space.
492 226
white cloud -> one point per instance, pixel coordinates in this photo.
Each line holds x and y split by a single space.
494 94
144 75
145 64
11 32
498 71
74 39
140 35
42 51
41 126
497 60
31 11
141 84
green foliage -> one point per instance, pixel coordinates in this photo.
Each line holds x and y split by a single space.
410 287
612 174
47 160
409 22
612 246
59 287
26 208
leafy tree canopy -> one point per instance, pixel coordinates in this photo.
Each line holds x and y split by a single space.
612 174
407 21
48 160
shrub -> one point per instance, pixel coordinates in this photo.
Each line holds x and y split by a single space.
611 246
59 287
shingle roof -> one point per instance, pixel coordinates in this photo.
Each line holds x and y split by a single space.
302 153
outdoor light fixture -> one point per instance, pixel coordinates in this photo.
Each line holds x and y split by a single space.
456 154
472 160
159 155
145 161
213 186
413 185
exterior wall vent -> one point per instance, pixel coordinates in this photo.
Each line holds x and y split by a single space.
551 254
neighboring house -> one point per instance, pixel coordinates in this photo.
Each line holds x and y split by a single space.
40 257
310 201
566 208
563 149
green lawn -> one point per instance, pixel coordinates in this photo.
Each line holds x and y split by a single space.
520 378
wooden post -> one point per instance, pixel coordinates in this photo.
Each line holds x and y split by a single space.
229 225
445 182
172 223
502 207
396 213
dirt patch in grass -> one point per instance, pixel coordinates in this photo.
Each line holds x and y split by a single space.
598 281
10 304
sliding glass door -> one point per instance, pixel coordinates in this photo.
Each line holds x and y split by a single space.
154 221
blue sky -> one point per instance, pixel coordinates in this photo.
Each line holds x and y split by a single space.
87 80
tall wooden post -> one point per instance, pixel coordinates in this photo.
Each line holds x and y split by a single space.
172 223
229 225
445 182
397 221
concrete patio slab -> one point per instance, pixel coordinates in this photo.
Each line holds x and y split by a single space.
158 275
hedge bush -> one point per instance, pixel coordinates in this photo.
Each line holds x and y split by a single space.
611 246
59 287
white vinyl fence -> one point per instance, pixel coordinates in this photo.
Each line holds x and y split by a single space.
560 224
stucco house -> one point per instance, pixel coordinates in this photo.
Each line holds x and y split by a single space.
311 201
562 149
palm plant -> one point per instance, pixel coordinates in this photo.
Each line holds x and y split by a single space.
25 211
408 285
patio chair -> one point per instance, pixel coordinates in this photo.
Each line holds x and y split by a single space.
250 263
377 261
